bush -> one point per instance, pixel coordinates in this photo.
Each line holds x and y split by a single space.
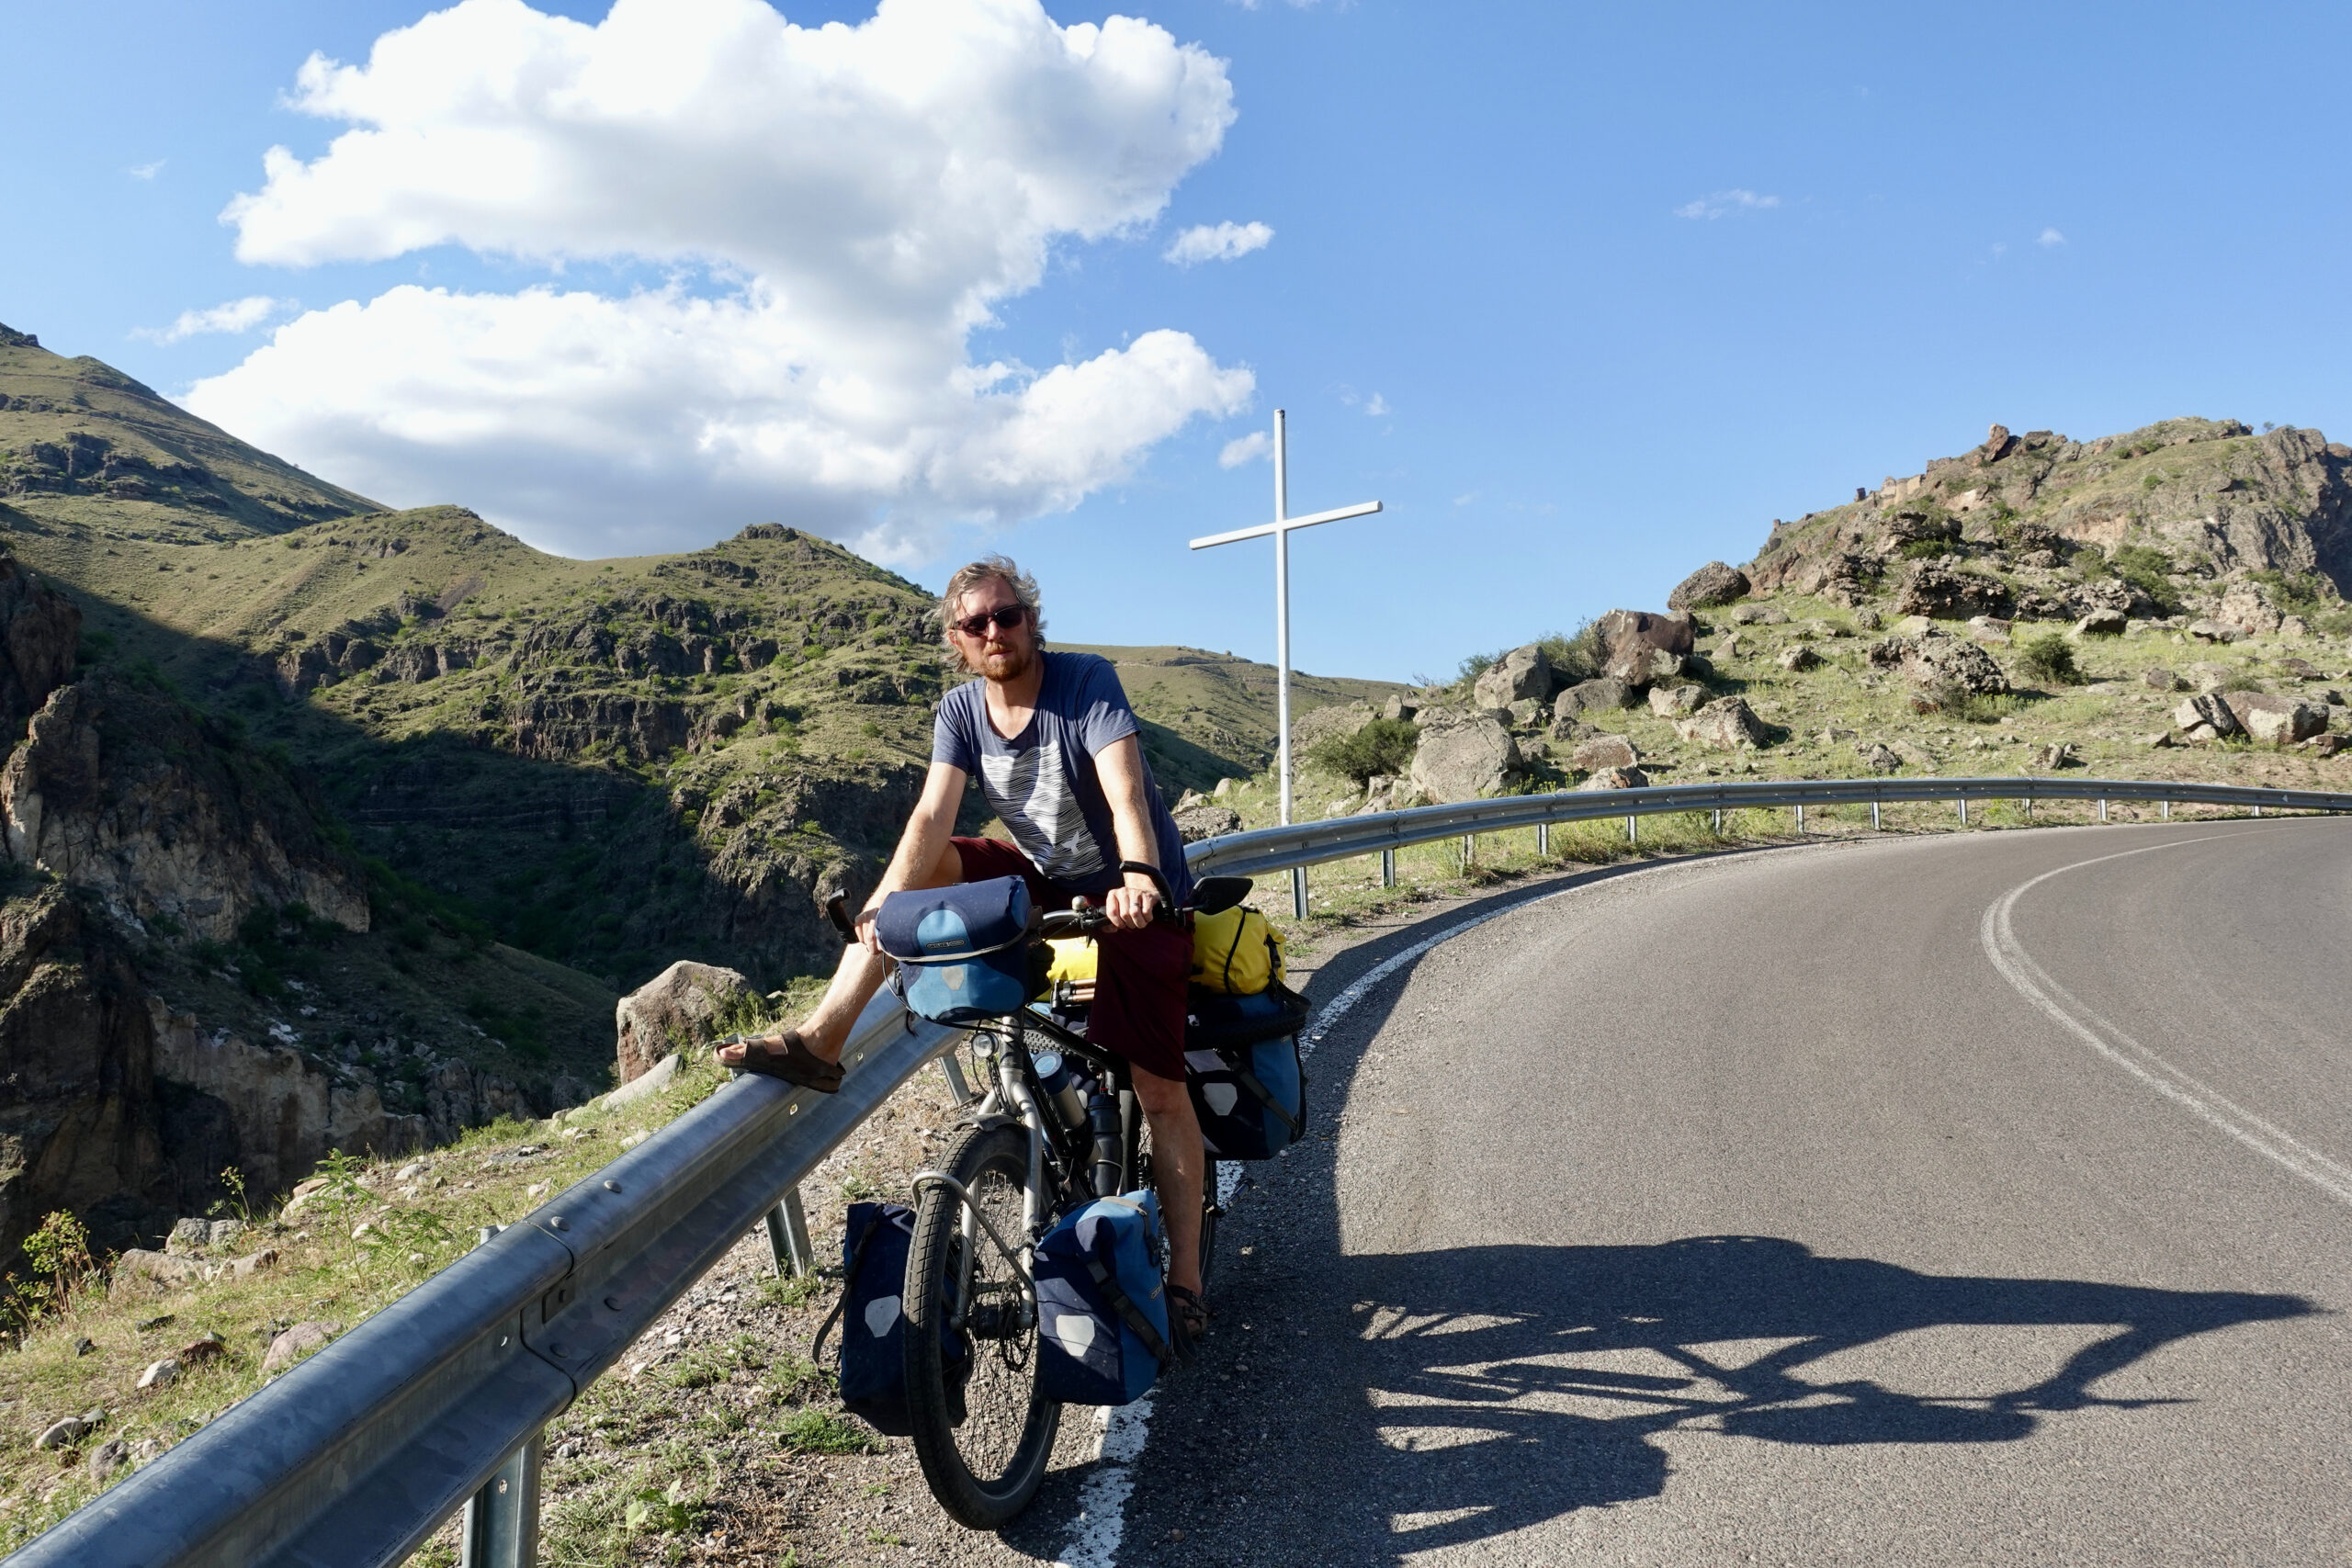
1384 746
2049 657
2148 569
1577 656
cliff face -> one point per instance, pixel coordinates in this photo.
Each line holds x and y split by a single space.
119 789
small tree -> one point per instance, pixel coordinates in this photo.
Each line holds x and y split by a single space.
2049 657
1383 746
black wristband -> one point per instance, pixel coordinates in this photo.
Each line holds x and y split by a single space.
1153 871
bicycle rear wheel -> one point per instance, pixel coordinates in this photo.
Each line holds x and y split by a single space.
981 1428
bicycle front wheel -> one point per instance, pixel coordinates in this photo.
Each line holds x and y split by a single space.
981 1428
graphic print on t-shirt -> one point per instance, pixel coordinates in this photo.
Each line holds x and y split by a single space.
1031 792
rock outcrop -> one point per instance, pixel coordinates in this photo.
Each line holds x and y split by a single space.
39 632
672 1010
1522 674
1713 583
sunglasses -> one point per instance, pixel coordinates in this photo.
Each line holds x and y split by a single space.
1004 617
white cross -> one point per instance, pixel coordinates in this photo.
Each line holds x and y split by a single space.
1281 528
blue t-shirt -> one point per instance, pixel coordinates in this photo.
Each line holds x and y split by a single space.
1043 782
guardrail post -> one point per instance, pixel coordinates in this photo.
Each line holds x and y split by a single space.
1873 815
2257 808
1298 892
2102 808
1800 820
957 1084
2167 804
1719 821
788 1242
501 1528
1544 841
1469 848
1963 811
1388 868
1632 833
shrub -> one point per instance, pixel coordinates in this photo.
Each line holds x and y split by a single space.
2049 657
1577 656
2147 569
1384 746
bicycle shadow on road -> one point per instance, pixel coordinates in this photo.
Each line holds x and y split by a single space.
1484 1390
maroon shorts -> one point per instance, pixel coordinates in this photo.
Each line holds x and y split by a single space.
1140 981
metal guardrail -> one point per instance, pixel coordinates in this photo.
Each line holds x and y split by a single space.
356 1455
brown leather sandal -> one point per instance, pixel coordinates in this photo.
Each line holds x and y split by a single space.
786 1057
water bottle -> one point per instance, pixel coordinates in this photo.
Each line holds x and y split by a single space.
1103 1117
1061 1087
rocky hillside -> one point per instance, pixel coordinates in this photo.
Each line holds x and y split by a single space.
2159 605
400 796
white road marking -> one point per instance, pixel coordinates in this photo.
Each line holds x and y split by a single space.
1101 1521
2201 1099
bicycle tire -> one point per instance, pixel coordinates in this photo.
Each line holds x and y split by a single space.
981 1430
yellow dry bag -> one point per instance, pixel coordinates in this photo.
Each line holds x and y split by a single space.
1235 952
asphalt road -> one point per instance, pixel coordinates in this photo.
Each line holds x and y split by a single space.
1870 1203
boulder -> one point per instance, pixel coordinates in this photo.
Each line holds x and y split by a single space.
295 1343
1617 778
2101 622
2057 754
1988 628
1639 665
1729 646
2247 608
1600 751
1713 583
2206 717
2301 669
1206 822
1311 728
1623 630
1943 594
1524 713
1673 701
2160 679
645 1085
1759 615
1934 660
1601 695
2205 629
2294 626
677 1008
161 1267
1797 657
1877 758
2277 721
1462 757
1914 527
57 1434
1522 674
1399 708
1724 724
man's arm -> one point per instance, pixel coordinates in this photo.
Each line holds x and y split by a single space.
919 846
1119 765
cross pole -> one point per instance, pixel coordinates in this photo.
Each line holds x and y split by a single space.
1281 528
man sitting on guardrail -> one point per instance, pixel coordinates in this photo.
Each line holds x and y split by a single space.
1058 755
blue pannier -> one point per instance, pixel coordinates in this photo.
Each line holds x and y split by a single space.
1102 1315
874 1324
962 952
1242 1069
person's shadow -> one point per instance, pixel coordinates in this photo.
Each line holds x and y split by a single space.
1485 1389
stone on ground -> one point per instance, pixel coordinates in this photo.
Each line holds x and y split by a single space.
1617 778
1600 696
1522 674
1671 702
1601 752
1725 724
1462 757
1713 583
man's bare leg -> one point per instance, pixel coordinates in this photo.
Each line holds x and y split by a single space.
856 977
1178 1161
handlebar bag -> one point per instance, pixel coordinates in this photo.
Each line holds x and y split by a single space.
962 952
1241 1068
1102 1313
874 1244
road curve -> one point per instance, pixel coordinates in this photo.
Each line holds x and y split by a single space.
1981 1199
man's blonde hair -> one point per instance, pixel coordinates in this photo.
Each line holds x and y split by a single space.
1001 568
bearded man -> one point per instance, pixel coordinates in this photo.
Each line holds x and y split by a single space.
1058 755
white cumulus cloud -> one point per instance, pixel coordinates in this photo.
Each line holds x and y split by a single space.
145 171
1250 448
2051 237
1722 203
236 316
1222 242
838 208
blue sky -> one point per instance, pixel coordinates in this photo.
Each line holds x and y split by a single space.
1586 295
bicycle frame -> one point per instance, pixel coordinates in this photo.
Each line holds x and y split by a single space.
1054 1158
